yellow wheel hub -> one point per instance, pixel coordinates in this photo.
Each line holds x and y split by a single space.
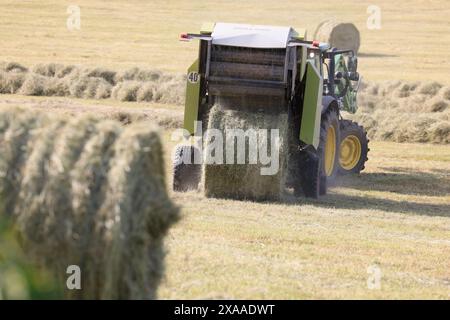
350 152
330 151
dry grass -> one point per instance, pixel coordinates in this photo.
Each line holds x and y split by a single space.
405 111
80 82
164 115
396 215
244 181
122 34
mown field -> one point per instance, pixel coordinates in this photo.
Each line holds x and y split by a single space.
412 43
395 216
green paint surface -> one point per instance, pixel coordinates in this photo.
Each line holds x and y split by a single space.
312 105
192 98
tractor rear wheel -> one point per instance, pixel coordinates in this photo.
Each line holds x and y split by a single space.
353 148
328 148
186 176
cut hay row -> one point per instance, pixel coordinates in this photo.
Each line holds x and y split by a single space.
395 111
87 192
92 83
244 181
405 112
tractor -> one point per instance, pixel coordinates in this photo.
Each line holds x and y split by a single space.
277 66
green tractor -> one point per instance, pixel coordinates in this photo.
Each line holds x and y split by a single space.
277 66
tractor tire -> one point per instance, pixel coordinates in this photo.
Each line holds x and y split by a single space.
186 176
328 148
353 148
308 180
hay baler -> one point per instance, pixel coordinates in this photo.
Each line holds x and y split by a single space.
276 69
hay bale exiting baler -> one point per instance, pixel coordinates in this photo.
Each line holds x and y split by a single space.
244 181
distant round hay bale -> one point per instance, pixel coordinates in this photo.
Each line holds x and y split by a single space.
244 181
338 34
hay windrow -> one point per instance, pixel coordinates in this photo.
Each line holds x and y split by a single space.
54 79
11 82
90 193
405 111
244 181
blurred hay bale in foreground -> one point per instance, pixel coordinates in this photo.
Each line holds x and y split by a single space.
89 193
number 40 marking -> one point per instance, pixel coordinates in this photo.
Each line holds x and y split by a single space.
193 77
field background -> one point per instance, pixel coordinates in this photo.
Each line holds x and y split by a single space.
396 215
412 44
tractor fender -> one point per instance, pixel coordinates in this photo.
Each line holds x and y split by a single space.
329 102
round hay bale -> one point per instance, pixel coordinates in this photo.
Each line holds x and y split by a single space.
88 193
31 196
13 150
244 181
135 215
338 34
